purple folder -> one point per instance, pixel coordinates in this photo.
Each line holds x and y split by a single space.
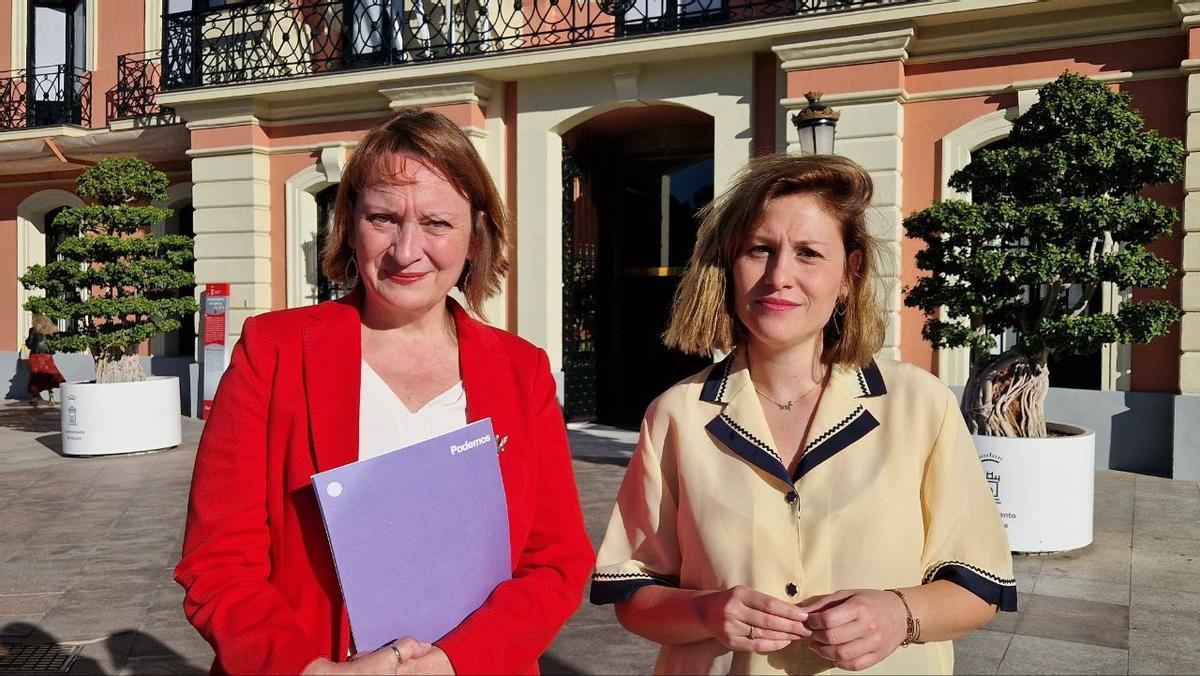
419 535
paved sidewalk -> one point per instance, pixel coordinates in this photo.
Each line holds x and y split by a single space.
87 547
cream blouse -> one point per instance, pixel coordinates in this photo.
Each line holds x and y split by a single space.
888 493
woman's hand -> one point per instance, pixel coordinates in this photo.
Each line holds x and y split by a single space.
857 628
382 661
433 662
746 620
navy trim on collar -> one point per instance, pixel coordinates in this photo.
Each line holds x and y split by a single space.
753 450
714 386
854 427
870 380
736 438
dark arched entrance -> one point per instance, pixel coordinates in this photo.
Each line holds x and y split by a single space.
634 179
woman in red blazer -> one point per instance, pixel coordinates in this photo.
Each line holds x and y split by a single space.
416 215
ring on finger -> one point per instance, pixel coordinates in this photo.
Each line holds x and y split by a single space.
396 652
752 636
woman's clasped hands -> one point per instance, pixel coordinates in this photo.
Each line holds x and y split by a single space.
857 628
402 656
854 629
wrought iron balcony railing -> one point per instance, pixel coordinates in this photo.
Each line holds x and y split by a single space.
139 81
271 39
45 96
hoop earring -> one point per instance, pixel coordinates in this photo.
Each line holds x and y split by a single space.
351 278
839 309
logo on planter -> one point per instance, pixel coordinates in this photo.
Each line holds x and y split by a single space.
72 418
991 472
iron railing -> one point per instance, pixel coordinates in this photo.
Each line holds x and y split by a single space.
139 81
271 39
45 96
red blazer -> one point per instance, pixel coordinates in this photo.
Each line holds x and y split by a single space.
259 580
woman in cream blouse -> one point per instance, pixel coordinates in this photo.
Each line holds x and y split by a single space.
800 507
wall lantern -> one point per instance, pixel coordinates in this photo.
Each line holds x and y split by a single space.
816 125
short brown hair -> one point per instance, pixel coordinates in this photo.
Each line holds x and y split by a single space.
703 319
438 142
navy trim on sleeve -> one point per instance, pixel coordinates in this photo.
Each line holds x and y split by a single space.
621 586
998 591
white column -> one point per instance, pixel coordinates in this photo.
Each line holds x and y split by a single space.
870 132
1189 359
232 198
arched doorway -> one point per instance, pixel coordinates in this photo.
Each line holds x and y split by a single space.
633 180
182 341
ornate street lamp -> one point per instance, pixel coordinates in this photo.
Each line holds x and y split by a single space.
816 125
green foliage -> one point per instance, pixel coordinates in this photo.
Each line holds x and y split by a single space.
1055 214
115 283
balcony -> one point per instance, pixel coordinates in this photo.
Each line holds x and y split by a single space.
44 97
273 39
139 80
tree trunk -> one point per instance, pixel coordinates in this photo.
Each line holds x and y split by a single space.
118 366
1006 396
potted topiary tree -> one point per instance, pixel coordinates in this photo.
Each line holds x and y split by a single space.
1054 214
116 285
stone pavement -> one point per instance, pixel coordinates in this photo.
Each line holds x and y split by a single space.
87 547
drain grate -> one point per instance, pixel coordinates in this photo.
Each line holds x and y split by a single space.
44 657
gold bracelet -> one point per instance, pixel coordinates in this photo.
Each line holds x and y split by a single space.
913 629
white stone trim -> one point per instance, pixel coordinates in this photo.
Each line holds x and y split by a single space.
300 206
31 241
19 34
177 194
551 106
152 33
851 47
1189 300
474 90
954 365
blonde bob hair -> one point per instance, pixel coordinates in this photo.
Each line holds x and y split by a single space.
703 318
440 144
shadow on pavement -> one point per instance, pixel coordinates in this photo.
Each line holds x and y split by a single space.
17 634
129 652
603 460
27 418
552 666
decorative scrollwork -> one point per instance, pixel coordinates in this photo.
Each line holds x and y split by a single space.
616 7
272 39
45 96
139 80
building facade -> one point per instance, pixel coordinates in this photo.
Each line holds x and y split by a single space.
606 124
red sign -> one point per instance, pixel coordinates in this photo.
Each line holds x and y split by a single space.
216 308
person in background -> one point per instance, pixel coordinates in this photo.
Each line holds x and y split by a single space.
394 362
44 375
802 506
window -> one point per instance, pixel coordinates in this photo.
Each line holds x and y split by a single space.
327 289
57 58
653 16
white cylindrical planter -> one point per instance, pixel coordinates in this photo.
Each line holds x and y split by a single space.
112 418
1043 487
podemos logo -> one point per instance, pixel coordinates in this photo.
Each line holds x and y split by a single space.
455 449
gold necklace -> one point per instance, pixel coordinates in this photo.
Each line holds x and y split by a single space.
788 405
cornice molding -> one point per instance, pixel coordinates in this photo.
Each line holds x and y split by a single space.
863 45
424 95
1188 12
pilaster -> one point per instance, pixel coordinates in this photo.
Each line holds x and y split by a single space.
870 130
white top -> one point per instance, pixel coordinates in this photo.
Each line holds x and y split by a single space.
385 423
